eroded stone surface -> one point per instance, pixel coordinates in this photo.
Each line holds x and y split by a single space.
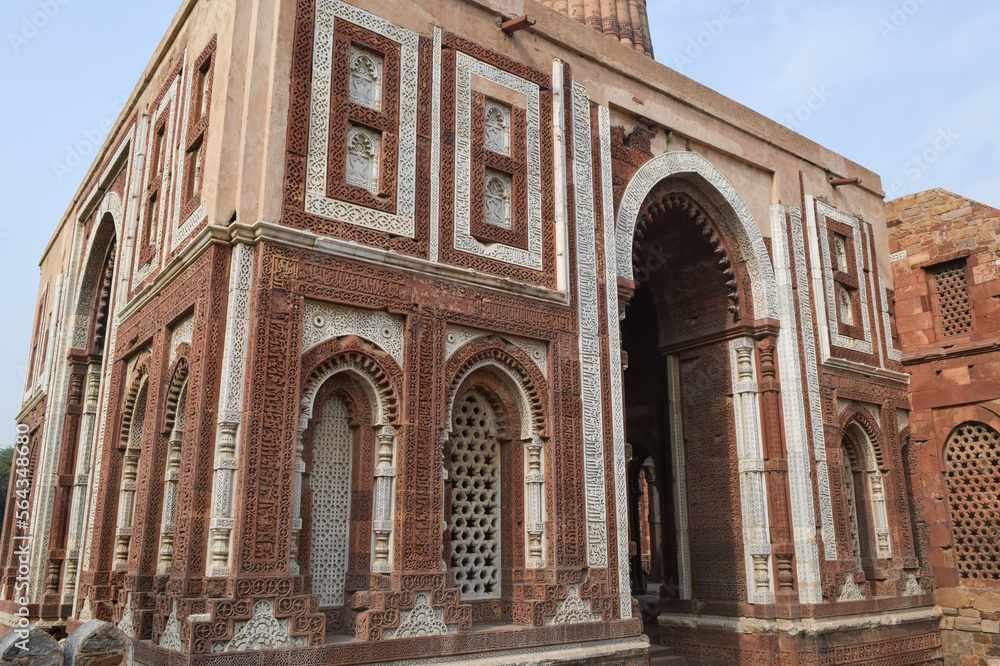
96 643
42 649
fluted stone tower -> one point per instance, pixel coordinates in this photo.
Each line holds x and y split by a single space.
624 20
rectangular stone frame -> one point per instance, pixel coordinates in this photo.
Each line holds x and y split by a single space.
465 67
403 221
824 283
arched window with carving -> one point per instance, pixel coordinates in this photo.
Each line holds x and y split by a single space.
497 137
365 86
345 532
476 463
133 426
497 199
972 475
174 425
494 492
864 489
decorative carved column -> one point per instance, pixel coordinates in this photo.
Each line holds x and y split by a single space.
385 477
776 466
170 479
300 470
879 513
123 535
750 450
234 364
534 486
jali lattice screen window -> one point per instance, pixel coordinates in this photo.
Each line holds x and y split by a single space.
972 473
951 291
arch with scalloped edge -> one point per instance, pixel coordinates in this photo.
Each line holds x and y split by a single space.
736 217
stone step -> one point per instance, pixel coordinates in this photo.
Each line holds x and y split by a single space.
661 655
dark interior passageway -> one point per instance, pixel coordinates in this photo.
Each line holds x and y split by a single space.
685 519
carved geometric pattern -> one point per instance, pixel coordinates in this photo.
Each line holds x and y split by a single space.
237 332
194 133
181 334
154 211
263 631
850 591
951 292
465 67
435 206
750 449
366 78
795 290
475 519
171 637
595 490
972 475
912 588
322 321
894 354
750 242
834 303
331 486
423 620
616 390
317 202
459 335
573 610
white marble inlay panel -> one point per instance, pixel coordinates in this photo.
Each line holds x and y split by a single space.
591 391
829 299
181 333
322 321
402 222
537 350
614 361
465 67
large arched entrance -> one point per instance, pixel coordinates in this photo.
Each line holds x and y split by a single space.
680 417
699 334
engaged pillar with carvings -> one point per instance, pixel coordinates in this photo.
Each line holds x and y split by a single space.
385 475
81 480
234 362
750 448
776 464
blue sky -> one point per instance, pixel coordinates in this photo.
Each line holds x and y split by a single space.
909 89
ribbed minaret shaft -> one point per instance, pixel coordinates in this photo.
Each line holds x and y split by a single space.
624 20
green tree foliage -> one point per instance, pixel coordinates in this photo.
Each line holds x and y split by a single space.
6 459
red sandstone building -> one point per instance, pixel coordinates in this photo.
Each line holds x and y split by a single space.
946 253
368 315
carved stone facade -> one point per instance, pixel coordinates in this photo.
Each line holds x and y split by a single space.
401 404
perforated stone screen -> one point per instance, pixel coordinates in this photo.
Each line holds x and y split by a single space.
331 512
475 500
952 293
972 473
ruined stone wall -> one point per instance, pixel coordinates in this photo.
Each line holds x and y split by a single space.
945 253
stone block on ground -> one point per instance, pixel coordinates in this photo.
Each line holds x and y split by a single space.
96 643
42 649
